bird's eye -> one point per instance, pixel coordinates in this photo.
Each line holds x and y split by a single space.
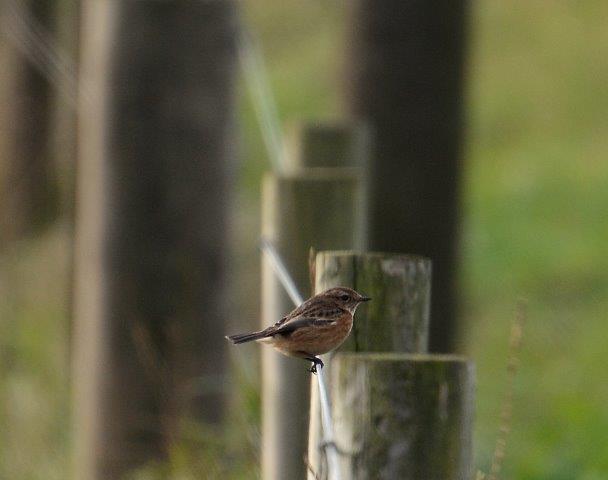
344 298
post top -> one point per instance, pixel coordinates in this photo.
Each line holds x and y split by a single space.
327 143
409 257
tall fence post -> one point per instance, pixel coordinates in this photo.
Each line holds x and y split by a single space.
303 208
151 224
394 325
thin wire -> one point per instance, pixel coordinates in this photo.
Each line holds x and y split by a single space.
328 429
35 43
24 33
11 21
289 285
254 70
281 271
42 40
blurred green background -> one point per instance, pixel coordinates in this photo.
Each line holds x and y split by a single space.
535 197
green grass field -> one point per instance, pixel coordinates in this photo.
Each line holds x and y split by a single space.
535 198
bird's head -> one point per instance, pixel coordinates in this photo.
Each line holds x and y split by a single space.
346 297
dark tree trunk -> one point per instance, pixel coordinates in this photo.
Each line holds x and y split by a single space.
406 69
153 194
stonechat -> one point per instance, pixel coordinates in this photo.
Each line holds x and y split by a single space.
317 326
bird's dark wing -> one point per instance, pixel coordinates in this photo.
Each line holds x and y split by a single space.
311 309
295 313
301 322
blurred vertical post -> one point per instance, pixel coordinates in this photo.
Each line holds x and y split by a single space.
152 196
28 188
305 207
405 77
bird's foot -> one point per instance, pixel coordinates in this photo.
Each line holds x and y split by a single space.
315 361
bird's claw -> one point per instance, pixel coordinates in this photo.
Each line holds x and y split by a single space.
315 362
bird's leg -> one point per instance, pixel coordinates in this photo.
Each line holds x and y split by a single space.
315 361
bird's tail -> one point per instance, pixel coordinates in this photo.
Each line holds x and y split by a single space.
246 337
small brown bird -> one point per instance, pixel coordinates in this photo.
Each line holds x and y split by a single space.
317 326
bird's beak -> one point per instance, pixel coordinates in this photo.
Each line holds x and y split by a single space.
365 299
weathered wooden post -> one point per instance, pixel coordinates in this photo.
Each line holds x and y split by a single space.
397 320
400 288
304 207
403 416
153 193
394 325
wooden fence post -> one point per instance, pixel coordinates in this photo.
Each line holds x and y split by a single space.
400 288
403 416
405 77
150 296
397 318
328 144
318 207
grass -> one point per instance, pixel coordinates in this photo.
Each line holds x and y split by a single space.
535 190
534 200
34 412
